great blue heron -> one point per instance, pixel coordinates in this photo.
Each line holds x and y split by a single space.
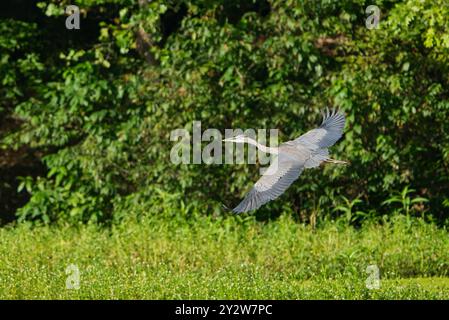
292 157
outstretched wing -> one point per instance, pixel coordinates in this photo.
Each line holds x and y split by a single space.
276 179
330 130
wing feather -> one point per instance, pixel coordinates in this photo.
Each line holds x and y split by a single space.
329 132
278 177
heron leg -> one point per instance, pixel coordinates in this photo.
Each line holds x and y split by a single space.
330 160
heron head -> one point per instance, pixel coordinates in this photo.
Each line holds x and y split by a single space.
240 138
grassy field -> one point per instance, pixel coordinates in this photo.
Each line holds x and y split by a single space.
228 258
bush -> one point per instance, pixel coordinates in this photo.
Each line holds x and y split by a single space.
102 111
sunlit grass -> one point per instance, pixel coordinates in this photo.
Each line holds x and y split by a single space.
227 258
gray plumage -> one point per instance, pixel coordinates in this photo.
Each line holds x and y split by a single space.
292 157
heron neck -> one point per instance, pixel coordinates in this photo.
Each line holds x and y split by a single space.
262 147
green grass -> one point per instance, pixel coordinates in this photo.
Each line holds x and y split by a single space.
206 258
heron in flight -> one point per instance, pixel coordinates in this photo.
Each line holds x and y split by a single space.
291 158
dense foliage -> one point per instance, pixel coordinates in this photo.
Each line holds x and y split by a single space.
97 104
